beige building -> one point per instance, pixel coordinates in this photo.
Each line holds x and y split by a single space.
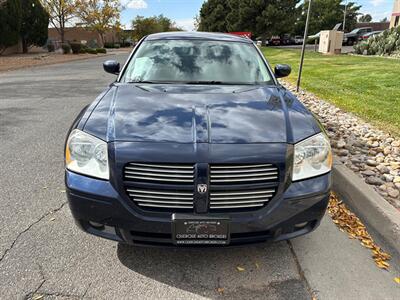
395 19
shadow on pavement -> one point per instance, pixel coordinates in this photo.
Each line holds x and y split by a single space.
269 270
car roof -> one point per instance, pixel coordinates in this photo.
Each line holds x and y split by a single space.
197 35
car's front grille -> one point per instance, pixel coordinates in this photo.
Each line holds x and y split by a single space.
241 199
242 174
170 187
165 199
162 173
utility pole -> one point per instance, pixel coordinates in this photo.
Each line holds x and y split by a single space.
344 16
304 46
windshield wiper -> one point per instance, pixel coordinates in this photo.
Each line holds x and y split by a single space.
144 81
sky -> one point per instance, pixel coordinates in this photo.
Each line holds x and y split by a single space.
184 11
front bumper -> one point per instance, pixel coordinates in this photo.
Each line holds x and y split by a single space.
99 209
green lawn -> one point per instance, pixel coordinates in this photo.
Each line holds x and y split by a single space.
366 86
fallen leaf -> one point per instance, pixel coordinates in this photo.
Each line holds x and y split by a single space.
45 187
62 191
52 219
397 280
240 269
257 266
37 297
348 222
220 290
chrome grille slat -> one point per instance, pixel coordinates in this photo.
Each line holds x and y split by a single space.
160 197
166 206
244 179
247 175
161 193
158 179
140 200
259 201
244 192
162 166
241 170
239 166
158 175
155 170
235 206
240 197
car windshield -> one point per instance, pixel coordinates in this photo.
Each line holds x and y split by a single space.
355 30
197 62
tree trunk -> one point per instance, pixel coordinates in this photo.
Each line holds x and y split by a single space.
24 45
101 39
62 35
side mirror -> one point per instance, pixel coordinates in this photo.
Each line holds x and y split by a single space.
282 70
111 66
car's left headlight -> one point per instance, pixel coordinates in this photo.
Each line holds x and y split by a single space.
87 155
312 157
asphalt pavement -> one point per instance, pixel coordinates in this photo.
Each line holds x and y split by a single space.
43 253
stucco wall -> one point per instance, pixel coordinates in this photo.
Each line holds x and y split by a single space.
395 13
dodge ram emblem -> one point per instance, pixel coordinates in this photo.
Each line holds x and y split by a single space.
202 188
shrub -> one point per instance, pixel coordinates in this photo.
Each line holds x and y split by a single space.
109 45
66 48
116 45
51 48
91 51
386 43
92 44
101 50
76 47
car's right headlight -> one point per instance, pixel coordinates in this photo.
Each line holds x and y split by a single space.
312 157
87 155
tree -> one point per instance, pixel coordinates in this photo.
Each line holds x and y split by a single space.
384 20
60 13
213 15
10 23
144 26
365 18
261 17
325 14
277 17
98 15
35 21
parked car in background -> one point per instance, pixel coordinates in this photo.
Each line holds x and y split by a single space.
298 39
275 41
312 38
286 39
369 34
197 143
353 36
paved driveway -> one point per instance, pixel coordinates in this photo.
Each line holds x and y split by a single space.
42 252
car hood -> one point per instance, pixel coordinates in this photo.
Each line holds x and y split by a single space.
200 114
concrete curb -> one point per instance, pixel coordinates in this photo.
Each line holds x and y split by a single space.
374 210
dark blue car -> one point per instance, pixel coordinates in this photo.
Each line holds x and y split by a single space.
196 143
